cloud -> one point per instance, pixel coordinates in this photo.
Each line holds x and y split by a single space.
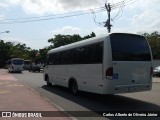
67 30
42 7
1 17
13 2
147 19
15 40
2 7
78 4
143 15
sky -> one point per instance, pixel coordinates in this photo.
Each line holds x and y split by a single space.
32 22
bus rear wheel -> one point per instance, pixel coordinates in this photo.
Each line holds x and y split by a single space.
74 87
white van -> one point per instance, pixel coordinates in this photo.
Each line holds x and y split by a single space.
15 65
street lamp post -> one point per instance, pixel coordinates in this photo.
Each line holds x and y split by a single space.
4 32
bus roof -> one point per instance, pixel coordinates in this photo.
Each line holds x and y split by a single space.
85 42
16 59
78 44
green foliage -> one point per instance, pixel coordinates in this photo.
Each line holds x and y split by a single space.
154 41
89 36
9 49
60 40
4 53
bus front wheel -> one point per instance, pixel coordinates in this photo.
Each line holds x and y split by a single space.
48 83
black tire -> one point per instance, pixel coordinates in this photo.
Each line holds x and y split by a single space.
47 82
74 88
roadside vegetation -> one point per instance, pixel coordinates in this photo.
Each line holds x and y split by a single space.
10 49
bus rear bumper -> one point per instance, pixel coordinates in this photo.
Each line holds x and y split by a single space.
129 88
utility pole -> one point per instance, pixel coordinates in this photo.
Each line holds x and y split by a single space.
107 23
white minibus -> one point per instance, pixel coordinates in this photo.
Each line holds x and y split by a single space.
15 65
111 64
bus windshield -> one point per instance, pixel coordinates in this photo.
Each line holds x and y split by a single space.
17 62
129 47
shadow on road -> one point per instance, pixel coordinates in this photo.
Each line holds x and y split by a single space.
96 102
15 73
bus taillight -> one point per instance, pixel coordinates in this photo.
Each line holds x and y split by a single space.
109 73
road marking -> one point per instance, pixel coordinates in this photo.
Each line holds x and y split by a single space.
1 83
4 91
15 85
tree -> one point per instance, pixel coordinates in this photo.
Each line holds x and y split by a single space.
90 36
60 40
3 53
10 50
154 41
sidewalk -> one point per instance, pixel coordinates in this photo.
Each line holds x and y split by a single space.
14 96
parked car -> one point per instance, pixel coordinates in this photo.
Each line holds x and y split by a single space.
34 67
156 71
41 67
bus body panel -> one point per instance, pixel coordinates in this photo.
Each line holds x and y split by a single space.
135 72
89 77
135 78
16 68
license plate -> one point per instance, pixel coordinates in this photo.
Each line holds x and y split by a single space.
130 89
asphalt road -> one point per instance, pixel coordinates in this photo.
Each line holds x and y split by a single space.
64 100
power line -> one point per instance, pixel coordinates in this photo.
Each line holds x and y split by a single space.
120 11
77 12
71 14
124 3
50 17
94 18
131 2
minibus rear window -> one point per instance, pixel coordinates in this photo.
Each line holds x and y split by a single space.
17 62
129 47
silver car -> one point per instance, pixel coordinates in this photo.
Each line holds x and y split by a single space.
156 71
